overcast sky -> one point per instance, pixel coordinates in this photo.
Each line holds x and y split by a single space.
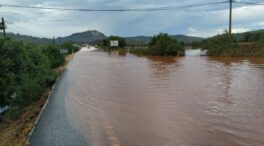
203 21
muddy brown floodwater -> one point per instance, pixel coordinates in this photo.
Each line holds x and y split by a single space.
117 99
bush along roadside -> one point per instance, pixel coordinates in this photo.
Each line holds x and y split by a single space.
26 71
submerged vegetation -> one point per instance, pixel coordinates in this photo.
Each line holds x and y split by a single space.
161 45
26 71
249 44
226 45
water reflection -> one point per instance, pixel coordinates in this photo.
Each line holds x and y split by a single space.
118 52
161 67
237 60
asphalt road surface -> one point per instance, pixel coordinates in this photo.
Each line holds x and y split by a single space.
54 127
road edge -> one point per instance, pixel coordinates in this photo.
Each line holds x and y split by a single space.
48 97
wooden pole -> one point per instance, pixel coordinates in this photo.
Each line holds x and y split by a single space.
53 41
3 26
230 17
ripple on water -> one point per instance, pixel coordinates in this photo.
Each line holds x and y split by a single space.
129 100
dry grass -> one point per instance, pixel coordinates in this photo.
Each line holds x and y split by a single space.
15 132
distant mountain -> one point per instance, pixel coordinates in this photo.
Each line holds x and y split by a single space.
27 38
83 37
146 39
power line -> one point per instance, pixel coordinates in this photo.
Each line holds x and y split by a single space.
249 3
117 10
196 5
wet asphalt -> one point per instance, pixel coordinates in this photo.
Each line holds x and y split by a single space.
54 127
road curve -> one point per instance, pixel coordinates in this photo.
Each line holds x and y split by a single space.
54 127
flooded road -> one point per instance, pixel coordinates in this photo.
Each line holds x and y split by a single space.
127 100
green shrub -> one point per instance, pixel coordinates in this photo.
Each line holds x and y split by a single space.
164 45
220 45
25 73
55 57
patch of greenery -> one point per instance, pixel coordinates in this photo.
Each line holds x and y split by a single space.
162 45
221 45
252 36
69 46
26 71
224 45
55 57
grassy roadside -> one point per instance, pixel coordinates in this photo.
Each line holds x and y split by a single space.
15 132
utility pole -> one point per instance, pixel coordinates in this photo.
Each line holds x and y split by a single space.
3 26
230 17
53 41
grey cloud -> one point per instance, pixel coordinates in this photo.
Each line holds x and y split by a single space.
205 21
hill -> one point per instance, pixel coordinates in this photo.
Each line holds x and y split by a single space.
83 37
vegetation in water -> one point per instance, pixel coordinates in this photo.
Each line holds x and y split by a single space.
226 45
162 45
